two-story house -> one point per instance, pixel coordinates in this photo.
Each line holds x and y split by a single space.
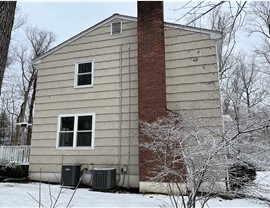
94 88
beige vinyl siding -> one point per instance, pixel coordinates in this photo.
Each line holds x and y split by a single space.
107 98
192 75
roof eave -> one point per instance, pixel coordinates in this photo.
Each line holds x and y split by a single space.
213 34
114 16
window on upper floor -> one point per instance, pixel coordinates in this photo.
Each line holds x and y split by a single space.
76 131
84 73
116 28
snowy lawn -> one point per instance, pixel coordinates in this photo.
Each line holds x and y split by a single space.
22 194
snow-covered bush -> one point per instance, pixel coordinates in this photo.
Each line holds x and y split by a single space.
12 170
240 174
196 158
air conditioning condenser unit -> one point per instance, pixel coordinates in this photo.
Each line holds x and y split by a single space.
104 178
71 174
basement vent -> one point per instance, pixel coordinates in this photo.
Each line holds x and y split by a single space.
116 28
104 178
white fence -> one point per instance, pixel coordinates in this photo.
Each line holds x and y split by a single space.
16 154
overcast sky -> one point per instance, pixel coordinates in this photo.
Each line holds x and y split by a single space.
67 19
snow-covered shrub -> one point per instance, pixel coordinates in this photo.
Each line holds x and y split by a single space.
189 152
187 155
240 174
13 170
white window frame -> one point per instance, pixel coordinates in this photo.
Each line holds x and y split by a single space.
75 130
77 63
121 27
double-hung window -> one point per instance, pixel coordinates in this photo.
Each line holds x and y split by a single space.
84 73
75 131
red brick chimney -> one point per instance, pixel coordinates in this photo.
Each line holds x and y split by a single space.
151 72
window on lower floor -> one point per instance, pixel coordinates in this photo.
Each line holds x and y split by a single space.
76 131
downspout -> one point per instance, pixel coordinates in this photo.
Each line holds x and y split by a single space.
120 108
129 113
218 46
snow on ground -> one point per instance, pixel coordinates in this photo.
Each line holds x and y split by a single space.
17 195
26 194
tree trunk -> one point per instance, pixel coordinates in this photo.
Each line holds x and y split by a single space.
7 12
31 110
21 116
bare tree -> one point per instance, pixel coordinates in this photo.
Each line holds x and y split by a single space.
243 91
196 158
23 50
11 99
7 12
232 93
4 126
40 41
226 17
259 23
253 90
28 77
229 23
19 21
